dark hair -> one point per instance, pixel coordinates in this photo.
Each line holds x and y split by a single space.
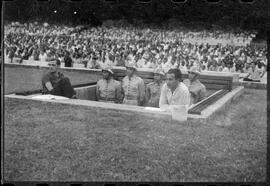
58 63
177 73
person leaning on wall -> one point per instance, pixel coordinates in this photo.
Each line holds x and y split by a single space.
55 83
174 92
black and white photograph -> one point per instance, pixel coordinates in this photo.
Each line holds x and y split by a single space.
134 91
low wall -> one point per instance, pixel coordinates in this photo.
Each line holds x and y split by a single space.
221 104
20 78
252 85
86 93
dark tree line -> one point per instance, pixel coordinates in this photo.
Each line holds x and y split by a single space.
227 12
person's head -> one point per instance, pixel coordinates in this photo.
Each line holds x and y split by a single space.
130 71
193 73
253 64
54 66
158 75
173 77
107 73
66 53
131 68
203 67
94 58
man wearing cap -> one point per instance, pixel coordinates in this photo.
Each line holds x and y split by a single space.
55 83
153 89
196 88
173 92
133 87
108 89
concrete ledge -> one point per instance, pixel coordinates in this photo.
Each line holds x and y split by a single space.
149 111
251 85
86 93
223 102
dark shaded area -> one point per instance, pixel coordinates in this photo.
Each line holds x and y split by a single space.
229 13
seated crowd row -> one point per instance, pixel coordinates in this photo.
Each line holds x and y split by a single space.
100 47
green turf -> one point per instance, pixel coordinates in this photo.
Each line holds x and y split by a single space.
50 142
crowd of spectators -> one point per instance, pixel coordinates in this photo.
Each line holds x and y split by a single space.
98 47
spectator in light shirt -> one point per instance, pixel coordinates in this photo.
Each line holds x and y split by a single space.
254 74
174 92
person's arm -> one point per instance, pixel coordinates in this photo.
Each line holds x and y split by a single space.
202 94
71 61
186 96
248 74
97 92
141 87
263 72
148 94
46 81
122 91
49 86
118 93
163 102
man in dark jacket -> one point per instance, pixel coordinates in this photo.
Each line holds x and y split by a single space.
55 83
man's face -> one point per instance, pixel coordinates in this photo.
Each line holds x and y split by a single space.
171 81
253 65
130 71
191 76
105 74
53 67
157 77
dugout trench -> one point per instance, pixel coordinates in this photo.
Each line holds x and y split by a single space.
220 89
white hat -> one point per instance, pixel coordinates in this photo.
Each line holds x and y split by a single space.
194 70
159 71
130 64
108 69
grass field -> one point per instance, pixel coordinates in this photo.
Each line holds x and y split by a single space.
52 142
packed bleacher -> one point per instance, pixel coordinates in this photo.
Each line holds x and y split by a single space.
98 47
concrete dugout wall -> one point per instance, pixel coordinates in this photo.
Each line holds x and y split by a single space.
20 78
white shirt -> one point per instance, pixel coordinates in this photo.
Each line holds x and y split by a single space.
180 96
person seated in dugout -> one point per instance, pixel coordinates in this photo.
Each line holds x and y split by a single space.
55 83
133 87
153 89
108 89
254 74
196 88
174 92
